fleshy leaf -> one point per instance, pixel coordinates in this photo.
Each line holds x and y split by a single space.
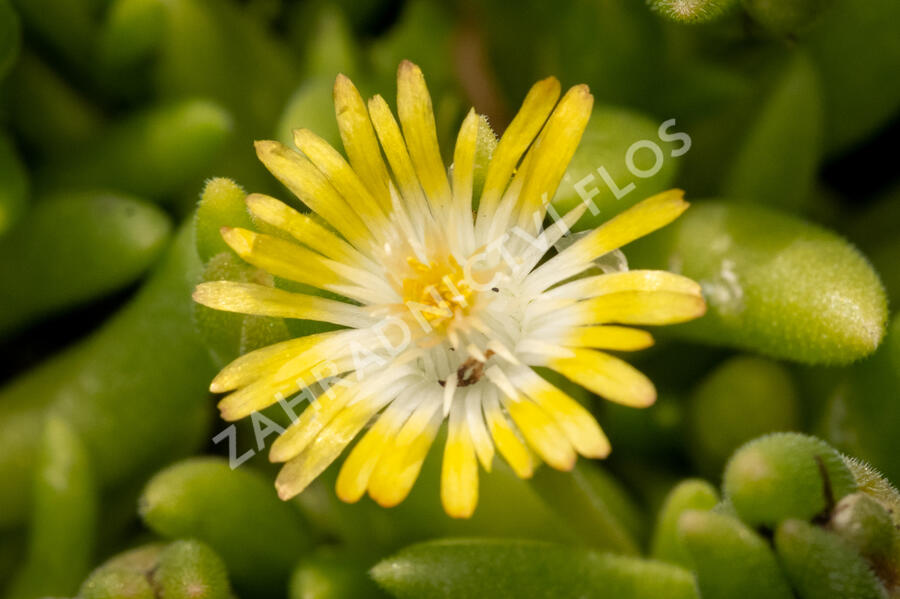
332 573
14 184
785 475
512 569
73 248
191 570
691 494
785 17
862 413
605 517
860 95
821 564
221 205
741 399
777 161
63 518
731 561
205 499
773 284
141 377
153 154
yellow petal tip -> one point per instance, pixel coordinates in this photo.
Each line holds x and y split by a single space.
264 146
342 80
407 66
647 399
284 492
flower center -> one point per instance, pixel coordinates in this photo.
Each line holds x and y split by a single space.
438 289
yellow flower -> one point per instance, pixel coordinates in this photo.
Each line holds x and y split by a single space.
445 311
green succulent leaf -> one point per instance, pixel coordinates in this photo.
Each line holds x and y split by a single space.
511 569
10 37
184 569
14 185
204 498
866 524
785 475
774 284
153 154
191 570
63 519
731 560
778 160
333 573
861 415
231 334
124 576
221 205
741 399
821 565
692 494
860 95
871 482
785 17
131 34
46 111
76 247
603 515
331 47
141 377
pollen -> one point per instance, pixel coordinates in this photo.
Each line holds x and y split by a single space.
440 288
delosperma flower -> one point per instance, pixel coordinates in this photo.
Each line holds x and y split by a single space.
446 302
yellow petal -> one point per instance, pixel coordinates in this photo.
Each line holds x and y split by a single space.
578 424
639 220
342 177
552 153
515 140
607 376
296 374
250 298
306 182
464 163
417 120
256 396
637 280
263 361
463 176
508 442
297 437
280 257
296 475
636 222
484 448
459 474
641 307
397 155
607 337
542 433
359 140
357 469
399 466
304 229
